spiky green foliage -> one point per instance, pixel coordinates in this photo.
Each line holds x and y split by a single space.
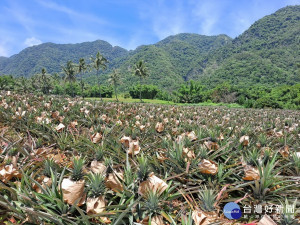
253 158
296 163
96 185
77 171
49 166
143 168
161 153
175 155
289 213
99 153
207 199
151 204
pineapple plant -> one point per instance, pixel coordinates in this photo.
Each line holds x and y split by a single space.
211 155
143 168
207 199
97 165
96 189
50 168
73 187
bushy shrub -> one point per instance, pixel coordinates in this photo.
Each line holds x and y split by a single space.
191 92
148 91
267 102
58 90
224 93
163 95
72 89
6 82
126 95
106 91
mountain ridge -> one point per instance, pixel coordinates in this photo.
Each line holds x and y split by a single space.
266 53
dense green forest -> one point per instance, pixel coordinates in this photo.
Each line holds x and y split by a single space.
267 53
256 69
284 96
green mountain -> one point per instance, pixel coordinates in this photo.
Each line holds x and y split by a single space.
51 56
267 53
3 61
168 60
172 58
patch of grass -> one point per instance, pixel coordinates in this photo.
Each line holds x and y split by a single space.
163 102
229 105
130 100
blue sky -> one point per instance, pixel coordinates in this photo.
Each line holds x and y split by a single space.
127 23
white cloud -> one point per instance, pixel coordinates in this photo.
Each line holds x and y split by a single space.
165 18
208 14
4 44
32 41
3 51
76 16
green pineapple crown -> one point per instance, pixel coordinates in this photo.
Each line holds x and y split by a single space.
252 158
203 154
134 136
267 156
77 172
8 161
289 218
49 164
96 185
13 152
99 153
143 171
152 202
207 198
109 165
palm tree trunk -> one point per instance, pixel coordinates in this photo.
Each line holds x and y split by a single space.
116 93
72 89
99 85
82 85
141 89
64 88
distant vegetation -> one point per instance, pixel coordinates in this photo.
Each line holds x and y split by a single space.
284 96
267 53
257 69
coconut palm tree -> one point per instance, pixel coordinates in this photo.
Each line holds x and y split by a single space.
56 77
141 71
45 80
82 67
70 74
114 79
23 84
99 62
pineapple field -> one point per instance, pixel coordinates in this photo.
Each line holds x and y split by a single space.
75 161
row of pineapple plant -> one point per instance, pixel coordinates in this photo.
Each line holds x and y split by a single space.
78 162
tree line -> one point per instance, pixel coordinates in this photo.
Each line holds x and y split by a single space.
72 83
72 80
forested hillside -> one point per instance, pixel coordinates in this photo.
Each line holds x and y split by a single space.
266 54
170 60
52 56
